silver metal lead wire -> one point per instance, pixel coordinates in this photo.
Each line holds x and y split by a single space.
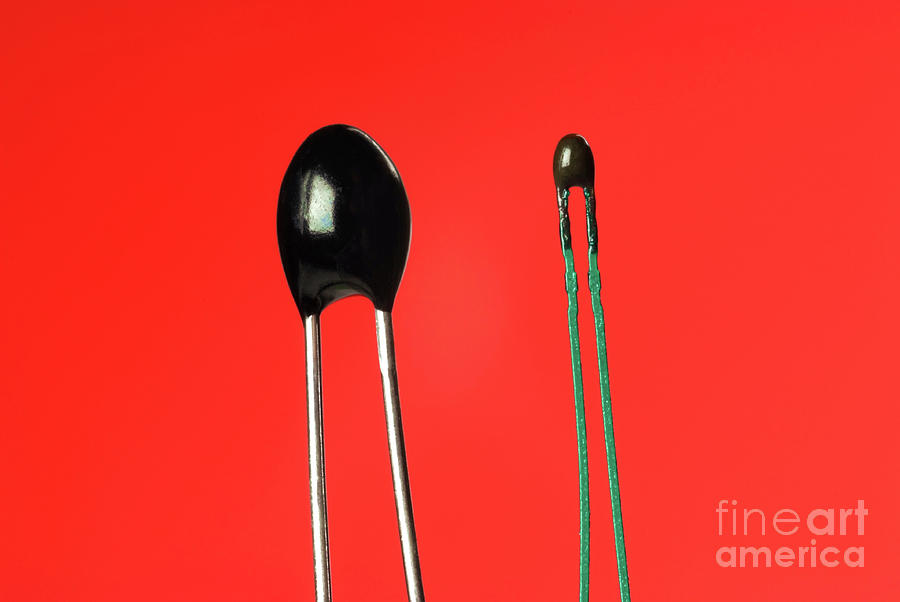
384 332
321 560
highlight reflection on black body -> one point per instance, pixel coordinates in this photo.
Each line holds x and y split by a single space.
343 221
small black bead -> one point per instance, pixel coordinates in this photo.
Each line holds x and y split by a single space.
573 163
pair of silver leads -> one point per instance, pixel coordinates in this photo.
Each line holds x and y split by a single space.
384 333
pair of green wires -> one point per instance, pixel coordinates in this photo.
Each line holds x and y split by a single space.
573 166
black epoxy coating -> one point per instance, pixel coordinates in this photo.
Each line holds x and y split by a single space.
343 221
573 163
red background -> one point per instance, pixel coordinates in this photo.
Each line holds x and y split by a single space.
153 426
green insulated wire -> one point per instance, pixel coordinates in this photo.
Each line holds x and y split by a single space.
605 399
565 236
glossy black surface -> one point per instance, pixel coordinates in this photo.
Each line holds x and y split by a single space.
573 163
343 221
